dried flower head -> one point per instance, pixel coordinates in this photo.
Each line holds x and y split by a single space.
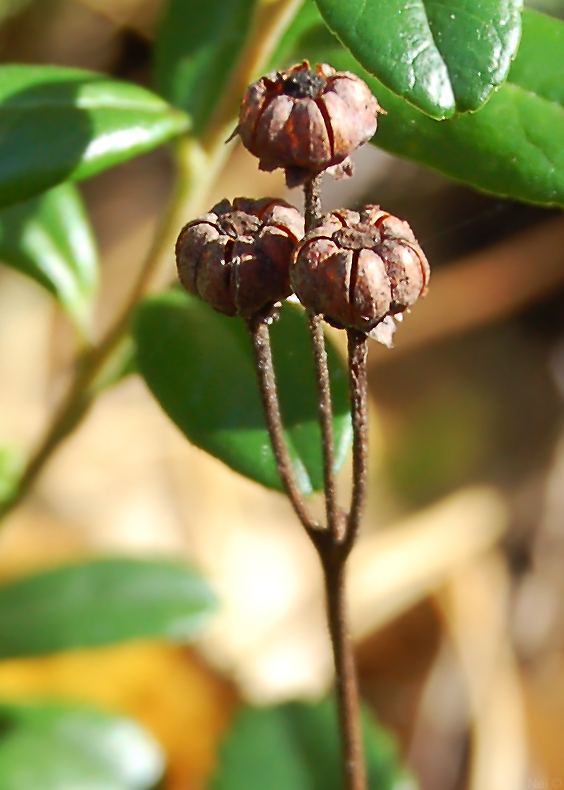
237 257
356 269
307 121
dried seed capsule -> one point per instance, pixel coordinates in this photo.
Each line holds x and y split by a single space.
307 121
237 257
358 269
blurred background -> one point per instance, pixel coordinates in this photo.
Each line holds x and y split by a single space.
456 586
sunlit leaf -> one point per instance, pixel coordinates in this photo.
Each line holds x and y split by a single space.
50 240
60 124
511 147
66 747
441 55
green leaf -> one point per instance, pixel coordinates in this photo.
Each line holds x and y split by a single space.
512 147
101 602
59 124
49 238
66 747
198 45
296 747
199 366
441 55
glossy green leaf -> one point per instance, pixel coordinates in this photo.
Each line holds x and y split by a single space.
67 747
59 124
296 747
101 602
49 238
512 147
441 55
198 45
199 366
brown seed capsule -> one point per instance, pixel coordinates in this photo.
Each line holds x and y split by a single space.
357 269
307 121
238 256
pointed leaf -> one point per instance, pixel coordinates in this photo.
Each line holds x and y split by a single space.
512 147
296 747
61 124
198 45
199 366
99 603
66 747
49 238
441 55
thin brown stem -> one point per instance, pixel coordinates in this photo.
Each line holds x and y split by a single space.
334 544
260 336
346 683
312 203
358 352
335 521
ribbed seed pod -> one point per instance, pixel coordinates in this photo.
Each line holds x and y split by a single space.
358 268
307 121
237 257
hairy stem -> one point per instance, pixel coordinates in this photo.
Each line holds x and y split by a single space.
345 672
335 522
312 203
260 336
358 352
333 545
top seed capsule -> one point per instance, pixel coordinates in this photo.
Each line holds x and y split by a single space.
307 121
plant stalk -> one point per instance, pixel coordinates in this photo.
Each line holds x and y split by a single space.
334 543
346 683
358 353
260 337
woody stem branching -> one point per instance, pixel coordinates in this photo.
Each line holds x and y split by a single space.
334 543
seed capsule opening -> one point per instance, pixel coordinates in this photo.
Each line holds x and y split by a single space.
303 85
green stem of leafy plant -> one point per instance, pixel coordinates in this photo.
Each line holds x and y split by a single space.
199 164
194 176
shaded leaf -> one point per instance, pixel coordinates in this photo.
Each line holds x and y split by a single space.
512 147
49 238
197 47
61 124
101 602
66 747
296 747
199 365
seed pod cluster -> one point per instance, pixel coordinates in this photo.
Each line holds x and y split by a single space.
307 121
358 268
237 257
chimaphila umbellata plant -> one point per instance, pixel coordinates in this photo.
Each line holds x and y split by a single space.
352 269
62 125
